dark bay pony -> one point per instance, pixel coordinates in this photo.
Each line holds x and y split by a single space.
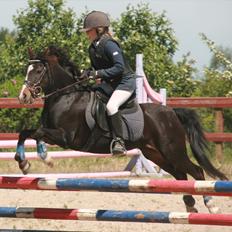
63 123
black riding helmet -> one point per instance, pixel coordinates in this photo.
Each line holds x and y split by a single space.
95 19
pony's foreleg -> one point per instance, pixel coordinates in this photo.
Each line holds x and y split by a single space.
42 153
52 136
24 164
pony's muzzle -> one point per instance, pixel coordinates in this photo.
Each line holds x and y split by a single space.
25 96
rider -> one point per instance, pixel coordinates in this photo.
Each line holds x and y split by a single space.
109 65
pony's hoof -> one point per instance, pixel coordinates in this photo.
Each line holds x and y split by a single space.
24 166
214 210
191 209
49 161
209 203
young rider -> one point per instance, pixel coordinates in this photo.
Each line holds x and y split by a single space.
110 66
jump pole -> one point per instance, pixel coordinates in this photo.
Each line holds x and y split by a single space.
214 188
16 230
67 154
84 175
13 143
75 175
143 167
117 215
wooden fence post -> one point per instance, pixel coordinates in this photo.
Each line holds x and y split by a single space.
219 127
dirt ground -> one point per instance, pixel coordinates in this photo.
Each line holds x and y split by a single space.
99 200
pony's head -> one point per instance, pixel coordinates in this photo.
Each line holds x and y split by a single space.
36 77
40 72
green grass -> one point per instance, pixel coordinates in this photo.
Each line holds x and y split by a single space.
82 164
69 165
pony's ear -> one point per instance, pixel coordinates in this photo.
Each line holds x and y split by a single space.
52 59
31 53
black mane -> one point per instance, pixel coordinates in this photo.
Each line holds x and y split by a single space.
64 60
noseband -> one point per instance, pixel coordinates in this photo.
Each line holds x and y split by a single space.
35 88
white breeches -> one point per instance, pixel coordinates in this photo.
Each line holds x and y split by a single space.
116 100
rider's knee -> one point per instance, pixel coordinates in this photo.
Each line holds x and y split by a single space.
111 108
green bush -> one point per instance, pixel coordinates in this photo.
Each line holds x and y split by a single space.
142 31
15 120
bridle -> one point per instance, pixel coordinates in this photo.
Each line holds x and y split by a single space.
35 87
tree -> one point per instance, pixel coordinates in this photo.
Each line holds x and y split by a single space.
215 63
218 76
4 33
142 31
217 80
44 22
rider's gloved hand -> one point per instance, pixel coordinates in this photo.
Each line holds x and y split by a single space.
88 74
92 74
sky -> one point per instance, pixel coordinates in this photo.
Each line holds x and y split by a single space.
188 18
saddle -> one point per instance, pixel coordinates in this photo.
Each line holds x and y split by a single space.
132 117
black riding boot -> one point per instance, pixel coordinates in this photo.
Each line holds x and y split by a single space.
117 144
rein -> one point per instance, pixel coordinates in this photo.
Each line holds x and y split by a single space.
65 88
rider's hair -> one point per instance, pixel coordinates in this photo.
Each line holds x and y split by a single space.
102 31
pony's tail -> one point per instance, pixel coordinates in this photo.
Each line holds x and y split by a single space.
191 123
